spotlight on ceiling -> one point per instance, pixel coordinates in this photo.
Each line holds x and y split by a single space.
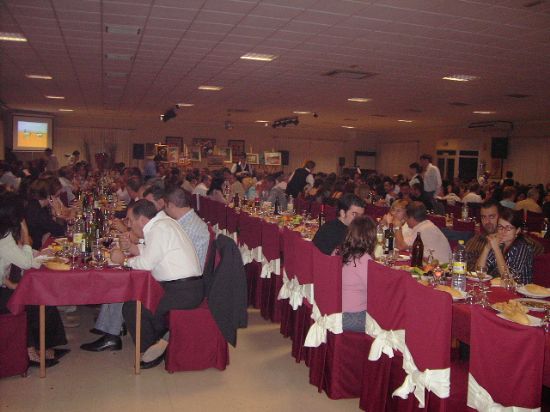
285 121
169 114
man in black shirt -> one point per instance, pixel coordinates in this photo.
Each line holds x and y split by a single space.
300 178
332 234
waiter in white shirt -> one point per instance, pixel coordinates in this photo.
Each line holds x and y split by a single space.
432 176
170 256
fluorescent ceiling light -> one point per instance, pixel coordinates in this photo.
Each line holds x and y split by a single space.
39 76
405 121
259 57
12 36
299 112
348 127
66 110
122 29
262 121
184 104
358 99
55 97
210 88
460 77
484 112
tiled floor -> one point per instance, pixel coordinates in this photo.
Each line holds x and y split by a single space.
262 376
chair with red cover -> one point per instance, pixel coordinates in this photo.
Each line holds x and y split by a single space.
423 381
315 209
302 205
221 217
232 223
541 270
437 220
270 278
454 210
289 288
386 291
206 209
506 363
14 359
464 226
534 221
194 202
250 245
331 213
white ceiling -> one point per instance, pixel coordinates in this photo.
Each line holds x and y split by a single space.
409 44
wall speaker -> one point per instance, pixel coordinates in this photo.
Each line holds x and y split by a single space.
499 147
138 151
285 157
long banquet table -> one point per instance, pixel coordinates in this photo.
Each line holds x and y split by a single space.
81 287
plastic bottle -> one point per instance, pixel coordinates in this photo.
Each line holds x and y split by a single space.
379 248
465 211
459 267
290 204
78 229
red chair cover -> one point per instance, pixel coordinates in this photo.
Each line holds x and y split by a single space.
545 243
455 209
232 220
506 359
428 336
376 211
206 208
289 258
271 250
315 209
534 222
331 213
437 220
195 203
196 342
301 205
250 234
386 291
541 270
463 226
221 215
14 359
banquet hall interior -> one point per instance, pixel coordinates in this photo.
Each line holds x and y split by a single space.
357 86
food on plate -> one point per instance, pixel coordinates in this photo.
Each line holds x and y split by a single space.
57 264
496 282
423 282
517 317
536 289
514 311
455 293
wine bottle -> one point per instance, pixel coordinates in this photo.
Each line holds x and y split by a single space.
389 237
417 252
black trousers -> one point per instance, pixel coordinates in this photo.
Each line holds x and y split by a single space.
55 331
178 294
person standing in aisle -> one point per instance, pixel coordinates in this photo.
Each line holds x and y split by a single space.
301 178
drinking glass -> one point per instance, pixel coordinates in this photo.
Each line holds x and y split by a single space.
74 251
98 256
437 275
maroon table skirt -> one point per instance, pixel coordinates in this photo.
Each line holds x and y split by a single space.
461 324
80 287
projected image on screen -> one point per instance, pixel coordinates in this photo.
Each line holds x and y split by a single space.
32 134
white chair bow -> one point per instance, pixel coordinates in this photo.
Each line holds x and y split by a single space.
269 267
249 255
317 333
481 400
291 290
385 341
437 381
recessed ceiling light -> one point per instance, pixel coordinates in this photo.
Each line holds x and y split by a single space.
358 99
66 110
119 57
210 88
54 97
259 57
299 112
405 121
262 121
122 29
348 127
484 112
460 77
39 76
12 36
184 104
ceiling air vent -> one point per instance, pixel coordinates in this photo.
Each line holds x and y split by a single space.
116 75
122 29
518 95
349 74
459 104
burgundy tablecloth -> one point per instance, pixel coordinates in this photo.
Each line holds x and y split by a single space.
80 287
461 324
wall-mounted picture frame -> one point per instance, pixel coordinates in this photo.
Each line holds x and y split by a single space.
161 151
215 161
226 153
195 153
173 154
272 158
253 158
206 144
237 147
174 141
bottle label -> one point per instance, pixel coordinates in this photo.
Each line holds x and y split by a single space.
459 268
77 238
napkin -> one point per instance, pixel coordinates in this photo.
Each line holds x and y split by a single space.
536 289
452 291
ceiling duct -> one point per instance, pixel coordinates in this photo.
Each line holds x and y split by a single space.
349 74
495 125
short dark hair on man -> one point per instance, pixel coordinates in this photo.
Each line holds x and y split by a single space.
417 211
426 157
349 200
490 203
271 179
416 167
419 186
143 207
177 197
310 164
156 191
509 174
134 183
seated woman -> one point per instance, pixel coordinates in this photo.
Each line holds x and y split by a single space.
356 252
507 249
216 190
16 255
397 216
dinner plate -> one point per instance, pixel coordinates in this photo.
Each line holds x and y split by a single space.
535 305
532 295
533 321
464 296
472 276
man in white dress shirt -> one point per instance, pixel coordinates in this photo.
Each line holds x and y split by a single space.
170 256
432 176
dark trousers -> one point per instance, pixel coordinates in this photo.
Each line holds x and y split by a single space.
179 294
55 331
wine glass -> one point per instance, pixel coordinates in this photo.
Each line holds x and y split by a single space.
74 251
98 256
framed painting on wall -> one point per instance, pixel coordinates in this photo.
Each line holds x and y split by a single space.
174 141
253 158
195 154
161 152
237 147
226 153
173 154
272 158
215 161
207 145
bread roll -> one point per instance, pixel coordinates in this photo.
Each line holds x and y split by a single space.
452 291
536 289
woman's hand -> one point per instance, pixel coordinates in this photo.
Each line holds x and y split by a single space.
9 284
117 256
493 241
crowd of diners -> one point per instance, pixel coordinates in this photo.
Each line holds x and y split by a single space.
35 199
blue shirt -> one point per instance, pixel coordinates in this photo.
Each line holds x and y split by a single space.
197 231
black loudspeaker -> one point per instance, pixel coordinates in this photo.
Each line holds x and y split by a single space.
285 157
341 161
499 147
138 151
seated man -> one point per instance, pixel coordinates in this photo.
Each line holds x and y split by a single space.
418 194
170 256
432 237
274 193
331 234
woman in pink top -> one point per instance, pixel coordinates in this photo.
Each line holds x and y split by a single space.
356 252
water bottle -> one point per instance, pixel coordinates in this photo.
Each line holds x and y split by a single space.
465 211
459 267
379 247
290 204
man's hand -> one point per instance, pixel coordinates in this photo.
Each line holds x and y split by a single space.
117 256
119 225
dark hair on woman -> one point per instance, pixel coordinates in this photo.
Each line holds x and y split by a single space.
360 239
11 214
217 184
39 190
511 216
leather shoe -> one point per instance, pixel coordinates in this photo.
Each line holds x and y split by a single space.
123 331
152 364
106 342
97 331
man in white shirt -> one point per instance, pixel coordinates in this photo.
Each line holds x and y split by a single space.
431 236
66 180
171 257
432 176
473 194
52 164
203 186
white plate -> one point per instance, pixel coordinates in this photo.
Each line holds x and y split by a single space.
464 296
525 302
531 295
472 276
532 320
